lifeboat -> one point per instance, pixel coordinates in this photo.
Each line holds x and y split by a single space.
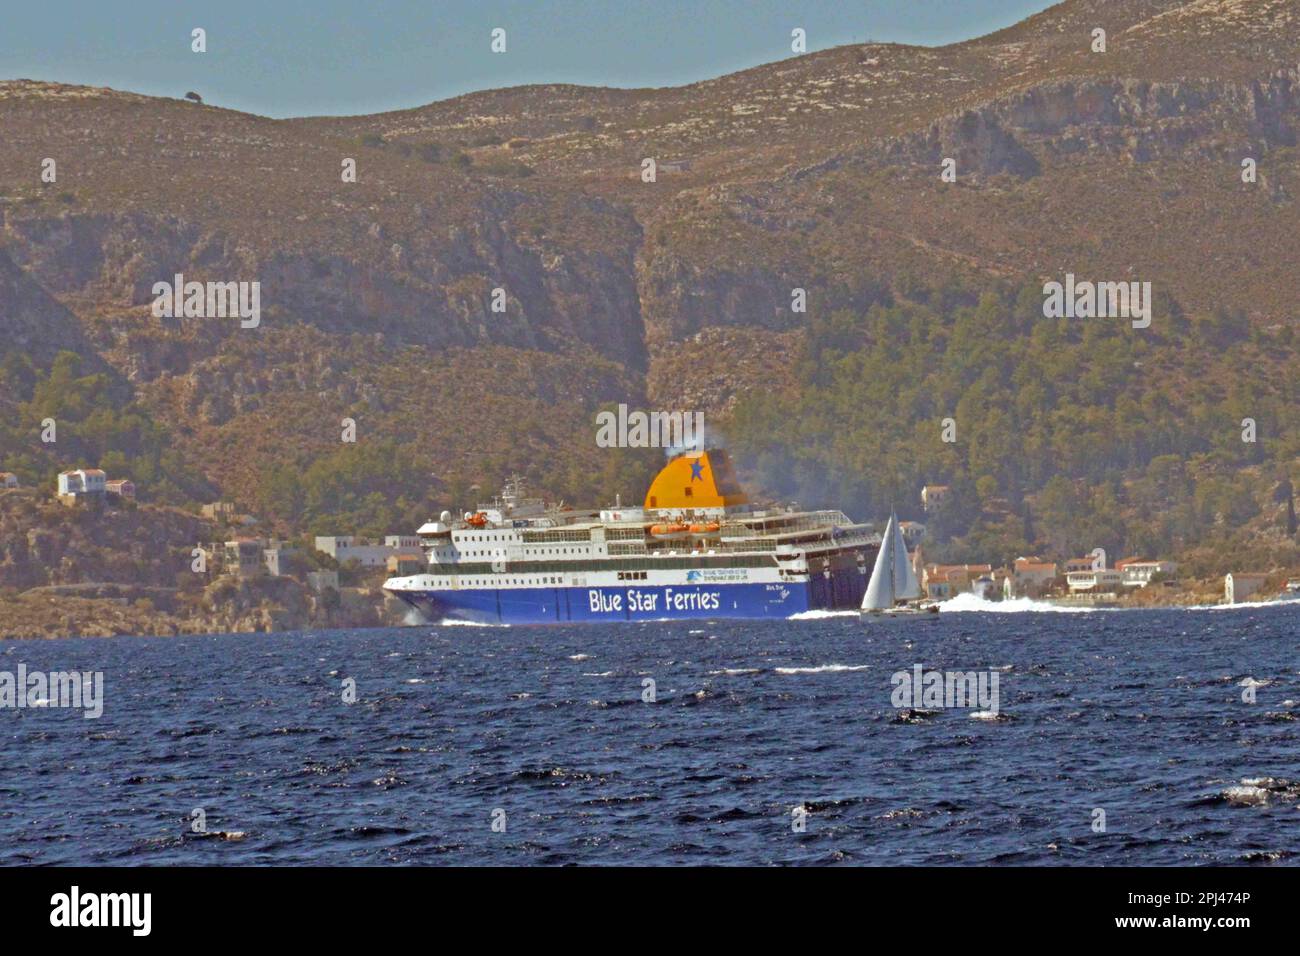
476 520
709 527
669 530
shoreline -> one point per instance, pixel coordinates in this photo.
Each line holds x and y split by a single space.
266 622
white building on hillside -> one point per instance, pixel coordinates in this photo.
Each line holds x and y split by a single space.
82 483
1102 581
1138 574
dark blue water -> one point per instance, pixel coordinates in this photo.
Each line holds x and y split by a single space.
1136 713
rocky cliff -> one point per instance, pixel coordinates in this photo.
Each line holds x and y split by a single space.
820 173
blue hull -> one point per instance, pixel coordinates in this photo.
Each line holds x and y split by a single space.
637 603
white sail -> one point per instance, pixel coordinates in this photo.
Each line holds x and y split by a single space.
906 587
880 590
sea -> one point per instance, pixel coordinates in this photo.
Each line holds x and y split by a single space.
1117 737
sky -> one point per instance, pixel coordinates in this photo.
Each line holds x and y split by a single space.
314 57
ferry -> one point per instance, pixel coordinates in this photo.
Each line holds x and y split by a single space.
697 548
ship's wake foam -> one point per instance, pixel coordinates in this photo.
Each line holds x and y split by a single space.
414 618
973 602
820 614
1248 605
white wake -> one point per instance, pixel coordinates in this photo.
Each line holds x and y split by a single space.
973 602
820 614
1248 605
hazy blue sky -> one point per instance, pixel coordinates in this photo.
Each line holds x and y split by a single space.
300 57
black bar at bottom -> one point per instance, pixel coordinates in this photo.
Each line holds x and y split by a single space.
944 906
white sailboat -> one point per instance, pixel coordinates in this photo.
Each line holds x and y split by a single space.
893 588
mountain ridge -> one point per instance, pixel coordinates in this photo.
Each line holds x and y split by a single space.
819 172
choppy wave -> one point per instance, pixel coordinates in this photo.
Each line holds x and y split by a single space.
820 614
592 770
1258 791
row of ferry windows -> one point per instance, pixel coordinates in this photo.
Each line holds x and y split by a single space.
516 580
488 554
495 537
627 564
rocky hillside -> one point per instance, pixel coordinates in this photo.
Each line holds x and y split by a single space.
80 572
819 172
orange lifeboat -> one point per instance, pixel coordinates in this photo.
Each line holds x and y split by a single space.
476 520
668 530
709 527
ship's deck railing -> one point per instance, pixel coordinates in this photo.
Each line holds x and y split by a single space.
624 548
556 535
822 527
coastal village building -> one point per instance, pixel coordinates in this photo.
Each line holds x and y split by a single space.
82 485
932 496
1238 586
120 488
218 511
1079 564
274 558
343 548
943 581
244 557
1101 580
1138 573
248 557
214 553
8 480
1032 574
